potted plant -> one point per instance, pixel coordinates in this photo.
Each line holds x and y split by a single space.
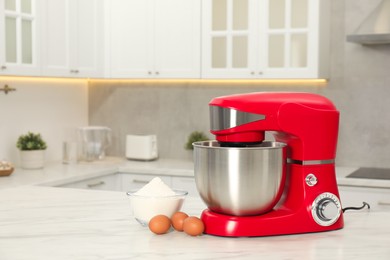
195 136
32 150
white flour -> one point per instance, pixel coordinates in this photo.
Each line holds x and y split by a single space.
156 187
155 202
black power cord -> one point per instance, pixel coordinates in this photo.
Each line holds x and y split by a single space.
357 208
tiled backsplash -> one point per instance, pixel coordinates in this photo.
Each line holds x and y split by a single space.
169 110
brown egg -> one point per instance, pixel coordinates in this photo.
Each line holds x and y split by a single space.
178 219
193 226
159 224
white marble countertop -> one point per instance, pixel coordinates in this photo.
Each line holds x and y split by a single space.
57 223
39 222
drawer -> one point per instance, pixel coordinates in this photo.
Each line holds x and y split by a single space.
110 182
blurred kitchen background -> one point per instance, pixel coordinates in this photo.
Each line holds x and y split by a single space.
359 85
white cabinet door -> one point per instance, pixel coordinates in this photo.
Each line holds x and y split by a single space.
56 38
110 182
228 38
87 51
257 39
19 37
131 38
73 38
154 38
296 39
177 38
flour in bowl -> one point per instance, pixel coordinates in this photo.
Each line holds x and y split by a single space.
155 198
156 187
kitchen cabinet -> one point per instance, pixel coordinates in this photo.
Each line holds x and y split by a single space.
130 181
109 182
354 196
19 34
154 38
254 39
72 40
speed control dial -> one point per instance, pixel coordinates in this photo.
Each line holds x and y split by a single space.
326 209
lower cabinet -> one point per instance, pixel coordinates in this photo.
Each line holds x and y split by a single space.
355 196
128 181
109 182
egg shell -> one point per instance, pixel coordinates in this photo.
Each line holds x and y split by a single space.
193 226
159 224
178 220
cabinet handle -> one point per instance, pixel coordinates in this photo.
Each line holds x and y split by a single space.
157 73
91 185
260 73
7 89
74 71
252 73
383 203
140 181
149 72
3 67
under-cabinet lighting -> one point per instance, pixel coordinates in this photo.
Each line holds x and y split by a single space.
40 79
248 82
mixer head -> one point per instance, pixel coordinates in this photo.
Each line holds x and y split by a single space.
306 122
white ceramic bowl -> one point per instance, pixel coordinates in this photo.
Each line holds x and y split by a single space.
146 207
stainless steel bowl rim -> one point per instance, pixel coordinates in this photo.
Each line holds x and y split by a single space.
261 146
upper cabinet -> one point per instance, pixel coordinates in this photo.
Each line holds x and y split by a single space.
19 31
154 38
248 39
265 39
73 38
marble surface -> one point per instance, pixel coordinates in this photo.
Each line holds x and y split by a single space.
38 222
57 223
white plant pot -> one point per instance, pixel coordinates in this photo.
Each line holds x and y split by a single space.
34 159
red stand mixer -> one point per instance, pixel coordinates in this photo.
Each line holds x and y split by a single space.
254 187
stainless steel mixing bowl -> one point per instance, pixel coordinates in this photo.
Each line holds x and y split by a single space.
240 181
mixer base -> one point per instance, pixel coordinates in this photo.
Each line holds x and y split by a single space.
276 222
